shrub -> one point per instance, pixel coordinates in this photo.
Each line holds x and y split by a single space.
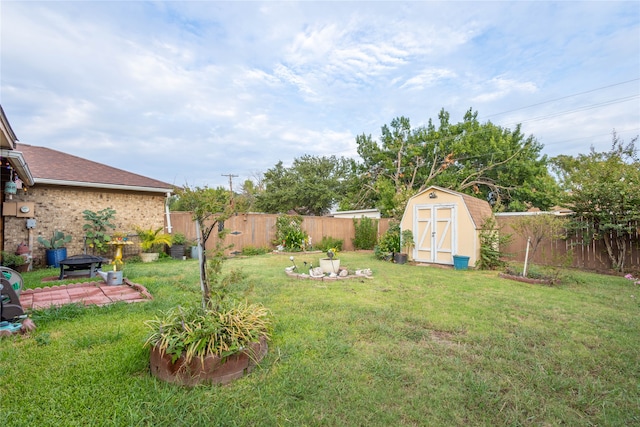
10 260
221 331
289 233
328 243
252 250
179 239
389 243
366 233
490 242
96 228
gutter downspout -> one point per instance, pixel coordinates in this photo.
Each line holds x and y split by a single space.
167 213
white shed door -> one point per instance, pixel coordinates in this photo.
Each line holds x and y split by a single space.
434 228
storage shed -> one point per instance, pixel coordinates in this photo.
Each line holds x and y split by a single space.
445 223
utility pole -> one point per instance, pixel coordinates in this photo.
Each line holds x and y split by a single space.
231 176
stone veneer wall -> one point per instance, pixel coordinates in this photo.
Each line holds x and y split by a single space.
61 207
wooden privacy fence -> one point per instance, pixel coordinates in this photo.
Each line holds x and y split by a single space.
590 255
258 230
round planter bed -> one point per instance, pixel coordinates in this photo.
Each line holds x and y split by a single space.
214 370
527 279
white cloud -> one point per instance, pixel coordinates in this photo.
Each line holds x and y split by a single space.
427 77
499 87
204 88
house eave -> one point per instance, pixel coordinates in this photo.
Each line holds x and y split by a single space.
105 186
17 162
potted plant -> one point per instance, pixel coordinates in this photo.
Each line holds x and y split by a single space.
178 242
151 242
330 264
407 244
55 248
13 261
222 342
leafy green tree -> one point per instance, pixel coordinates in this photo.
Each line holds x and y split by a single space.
484 160
210 207
603 189
311 186
246 200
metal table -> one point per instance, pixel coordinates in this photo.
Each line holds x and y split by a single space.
82 264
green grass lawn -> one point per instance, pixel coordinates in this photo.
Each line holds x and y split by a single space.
412 346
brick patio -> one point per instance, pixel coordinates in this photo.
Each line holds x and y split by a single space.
89 293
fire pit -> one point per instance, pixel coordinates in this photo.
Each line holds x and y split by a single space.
77 265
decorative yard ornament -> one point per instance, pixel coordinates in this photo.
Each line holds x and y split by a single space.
10 187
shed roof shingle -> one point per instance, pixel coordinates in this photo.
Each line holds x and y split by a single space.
47 164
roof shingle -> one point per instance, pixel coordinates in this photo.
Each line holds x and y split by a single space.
48 164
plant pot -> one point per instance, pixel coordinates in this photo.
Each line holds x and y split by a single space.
54 256
23 268
214 370
328 265
400 258
149 256
194 252
460 262
176 251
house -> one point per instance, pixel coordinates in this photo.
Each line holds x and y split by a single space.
360 213
12 166
53 188
445 223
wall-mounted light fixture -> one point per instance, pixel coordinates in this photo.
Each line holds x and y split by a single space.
433 195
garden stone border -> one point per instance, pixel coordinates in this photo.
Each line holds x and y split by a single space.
214 370
323 278
527 279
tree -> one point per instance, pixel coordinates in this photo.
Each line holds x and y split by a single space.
246 200
311 186
603 189
210 207
484 160
537 228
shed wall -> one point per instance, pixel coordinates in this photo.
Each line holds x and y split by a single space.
466 237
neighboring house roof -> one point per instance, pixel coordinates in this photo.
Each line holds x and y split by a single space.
370 213
57 168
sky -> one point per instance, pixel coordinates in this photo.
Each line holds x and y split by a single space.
191 92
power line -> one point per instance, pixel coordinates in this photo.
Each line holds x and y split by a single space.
584 108
564 97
